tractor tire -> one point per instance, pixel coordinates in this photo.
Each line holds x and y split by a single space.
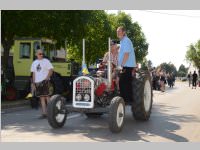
116 114
93 115
56 112
142 97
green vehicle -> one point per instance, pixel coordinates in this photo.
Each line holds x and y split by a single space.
24 54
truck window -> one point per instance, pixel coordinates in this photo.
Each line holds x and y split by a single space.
25 50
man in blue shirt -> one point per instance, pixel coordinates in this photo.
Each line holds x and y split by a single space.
126 59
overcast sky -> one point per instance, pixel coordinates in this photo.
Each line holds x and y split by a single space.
168 33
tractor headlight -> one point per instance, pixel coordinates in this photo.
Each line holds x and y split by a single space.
86 97
78 97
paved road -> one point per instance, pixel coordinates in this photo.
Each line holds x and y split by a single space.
175 117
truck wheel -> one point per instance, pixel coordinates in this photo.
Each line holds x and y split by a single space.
116 114
56 112
57 83
142 98
93 115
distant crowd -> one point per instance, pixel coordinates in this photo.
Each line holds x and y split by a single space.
160 78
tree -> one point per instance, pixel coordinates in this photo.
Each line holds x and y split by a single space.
168 68
149 64
146 64
58 25
182 71
93 25
96 33
193 54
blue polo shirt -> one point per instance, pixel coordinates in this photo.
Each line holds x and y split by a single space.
126 46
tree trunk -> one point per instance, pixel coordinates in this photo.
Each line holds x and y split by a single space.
6 46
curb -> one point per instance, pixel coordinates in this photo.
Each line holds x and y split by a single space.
14 109
15 105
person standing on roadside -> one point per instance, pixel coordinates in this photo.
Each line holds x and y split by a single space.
126 59
162 81
194 80
42 70
189 78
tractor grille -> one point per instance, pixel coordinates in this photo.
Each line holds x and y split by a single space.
83 86
83 92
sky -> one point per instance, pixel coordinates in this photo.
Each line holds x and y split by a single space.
168 32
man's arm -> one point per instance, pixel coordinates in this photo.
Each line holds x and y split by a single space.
49 74
33 77
126 55
33 82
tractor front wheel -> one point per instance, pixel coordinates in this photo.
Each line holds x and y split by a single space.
116 114
56 112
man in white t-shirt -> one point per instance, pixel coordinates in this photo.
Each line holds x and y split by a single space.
42 70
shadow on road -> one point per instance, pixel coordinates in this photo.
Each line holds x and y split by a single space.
160 125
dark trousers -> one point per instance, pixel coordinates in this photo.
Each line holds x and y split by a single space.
194 83
125 84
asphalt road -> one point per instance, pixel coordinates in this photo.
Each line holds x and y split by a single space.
175 117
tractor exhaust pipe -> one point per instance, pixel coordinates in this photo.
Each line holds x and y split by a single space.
83 61
109 65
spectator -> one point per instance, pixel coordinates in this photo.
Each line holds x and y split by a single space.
154 80
114 60
194 80
162 81
113 54
42 70
189 78
157 80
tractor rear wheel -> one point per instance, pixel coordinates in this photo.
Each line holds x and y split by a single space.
142 97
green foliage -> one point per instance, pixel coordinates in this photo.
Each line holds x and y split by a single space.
71 25
193 54
182 71
168 68
146 64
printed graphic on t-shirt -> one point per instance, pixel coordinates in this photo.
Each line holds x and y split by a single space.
38 68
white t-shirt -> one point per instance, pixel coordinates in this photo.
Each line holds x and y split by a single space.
41 69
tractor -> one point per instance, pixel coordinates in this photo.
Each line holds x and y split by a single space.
96 94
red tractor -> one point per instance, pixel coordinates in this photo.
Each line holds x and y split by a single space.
95 95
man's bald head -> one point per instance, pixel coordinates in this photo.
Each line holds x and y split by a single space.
39 51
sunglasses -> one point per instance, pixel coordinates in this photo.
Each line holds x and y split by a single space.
40 54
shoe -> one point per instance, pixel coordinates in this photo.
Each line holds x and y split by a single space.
43 116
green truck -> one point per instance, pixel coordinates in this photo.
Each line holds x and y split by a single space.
23 56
